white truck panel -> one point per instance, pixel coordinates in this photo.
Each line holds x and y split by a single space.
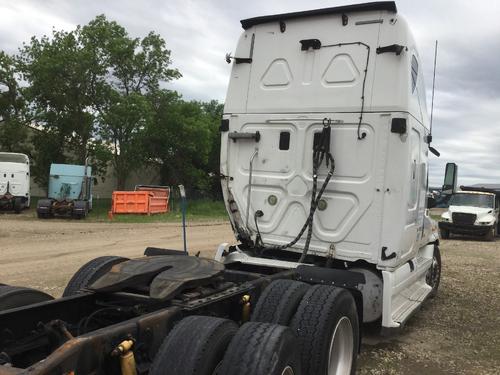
374 207
14 176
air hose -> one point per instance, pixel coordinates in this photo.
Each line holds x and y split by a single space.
321 152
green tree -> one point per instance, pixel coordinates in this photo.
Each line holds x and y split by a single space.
124 122
65 80
214 111
14 135
182 141
134 70
87 92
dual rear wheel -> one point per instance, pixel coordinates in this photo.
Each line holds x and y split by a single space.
202 345
295 329
324 319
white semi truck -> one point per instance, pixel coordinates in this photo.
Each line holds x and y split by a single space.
325 141
14 181
350 87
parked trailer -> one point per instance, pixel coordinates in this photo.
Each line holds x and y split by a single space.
69 193
323 165
14 181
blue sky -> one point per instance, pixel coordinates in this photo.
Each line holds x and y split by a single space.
200 32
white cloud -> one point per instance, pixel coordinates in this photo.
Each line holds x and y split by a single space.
200 32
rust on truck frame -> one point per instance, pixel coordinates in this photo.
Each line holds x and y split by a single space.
60 337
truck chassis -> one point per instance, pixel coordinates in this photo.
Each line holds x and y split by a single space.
80 333
11 202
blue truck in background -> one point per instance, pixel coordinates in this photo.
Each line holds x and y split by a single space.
69 192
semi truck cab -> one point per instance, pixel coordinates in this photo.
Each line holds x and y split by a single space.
471 212
69 192
14 181
324 152
324 157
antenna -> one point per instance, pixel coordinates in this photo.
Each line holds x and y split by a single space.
433 84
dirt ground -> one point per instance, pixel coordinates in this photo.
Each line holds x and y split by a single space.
44 254
456 333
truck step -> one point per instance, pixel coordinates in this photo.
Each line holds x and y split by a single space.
409 300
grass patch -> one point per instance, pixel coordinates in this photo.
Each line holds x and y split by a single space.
197 210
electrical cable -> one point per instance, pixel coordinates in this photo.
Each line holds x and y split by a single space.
321 152
362 135
85 321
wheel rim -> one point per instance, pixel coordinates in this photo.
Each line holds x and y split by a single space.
341 348
287 371
433 273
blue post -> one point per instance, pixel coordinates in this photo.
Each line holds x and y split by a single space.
183 208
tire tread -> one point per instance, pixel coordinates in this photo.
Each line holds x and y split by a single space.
279 301
311 322
89 272
253 349
184 350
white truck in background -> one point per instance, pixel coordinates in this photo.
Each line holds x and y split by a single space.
472 211
14 181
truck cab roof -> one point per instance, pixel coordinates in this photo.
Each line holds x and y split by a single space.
486 189
346 59
364 7
474 192
13 157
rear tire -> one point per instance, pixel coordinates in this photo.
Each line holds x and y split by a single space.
490 236
90 272
327 324
18 205
279 301
80 210
262 349
445 234
195 346
433 276
16 296
44 208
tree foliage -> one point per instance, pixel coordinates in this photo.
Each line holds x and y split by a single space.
134 68
178 140
13 135
65 89
96 91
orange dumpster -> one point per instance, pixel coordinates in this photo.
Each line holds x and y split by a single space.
145 200
158 202
130 202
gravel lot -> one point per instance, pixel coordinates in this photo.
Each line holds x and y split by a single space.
44 254
456 333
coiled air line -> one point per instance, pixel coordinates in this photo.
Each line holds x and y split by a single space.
321 152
